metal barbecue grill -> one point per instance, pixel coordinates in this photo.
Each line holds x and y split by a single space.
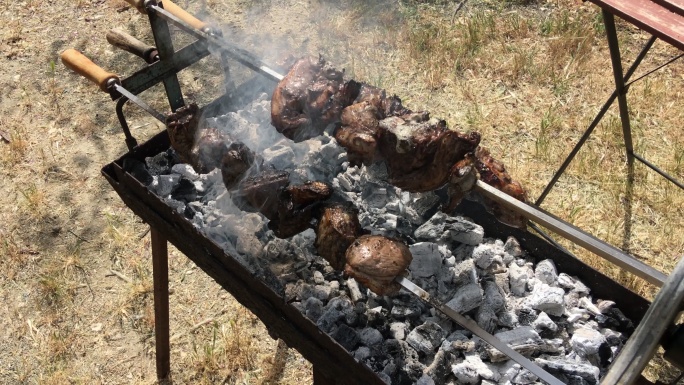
332 363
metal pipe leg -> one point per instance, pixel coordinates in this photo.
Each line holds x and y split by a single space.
160 274
614 47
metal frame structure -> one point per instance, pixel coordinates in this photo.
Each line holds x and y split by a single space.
637 12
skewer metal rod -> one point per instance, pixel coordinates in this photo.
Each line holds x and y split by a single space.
574 234
236 53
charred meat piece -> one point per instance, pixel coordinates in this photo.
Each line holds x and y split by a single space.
377 97
358 132
182 127
462 178
494 173
308 193
290 209
420 152
298 205
376 261
337 229
262 192
208 149
236 161
309 98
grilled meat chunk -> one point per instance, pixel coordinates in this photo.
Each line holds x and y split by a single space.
337 228
236 161
308 193
262 192
462 178
494 173
358 132
309 98
182 127
420 152
290 209
376 261
377 97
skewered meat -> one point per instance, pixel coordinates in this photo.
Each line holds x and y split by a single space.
494 173
182 127
337 229
236 161
309 98
462 178
377 97
358 132
375 261
420 152
308 193
262 192
290 209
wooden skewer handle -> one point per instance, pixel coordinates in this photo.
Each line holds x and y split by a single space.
128 43
86 68
173 9
183 15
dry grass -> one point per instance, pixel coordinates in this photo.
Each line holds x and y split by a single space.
529 75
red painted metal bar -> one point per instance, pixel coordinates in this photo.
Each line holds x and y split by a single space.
657 18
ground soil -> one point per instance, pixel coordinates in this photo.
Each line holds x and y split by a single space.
75 263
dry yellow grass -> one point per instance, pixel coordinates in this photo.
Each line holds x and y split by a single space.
529 75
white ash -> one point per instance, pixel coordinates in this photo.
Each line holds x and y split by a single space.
548 316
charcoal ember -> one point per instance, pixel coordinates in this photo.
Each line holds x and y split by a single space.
185 191
494 173
406 367
346 336
375 261
337 310
548 299
524 340
467 298
614 318
472 369
310 97
561 366
138 170
161 163
427 259
426 338
445 229
337 228
420 152
182 127
236 160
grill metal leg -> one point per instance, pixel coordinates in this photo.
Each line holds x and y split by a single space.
160 274
614 47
